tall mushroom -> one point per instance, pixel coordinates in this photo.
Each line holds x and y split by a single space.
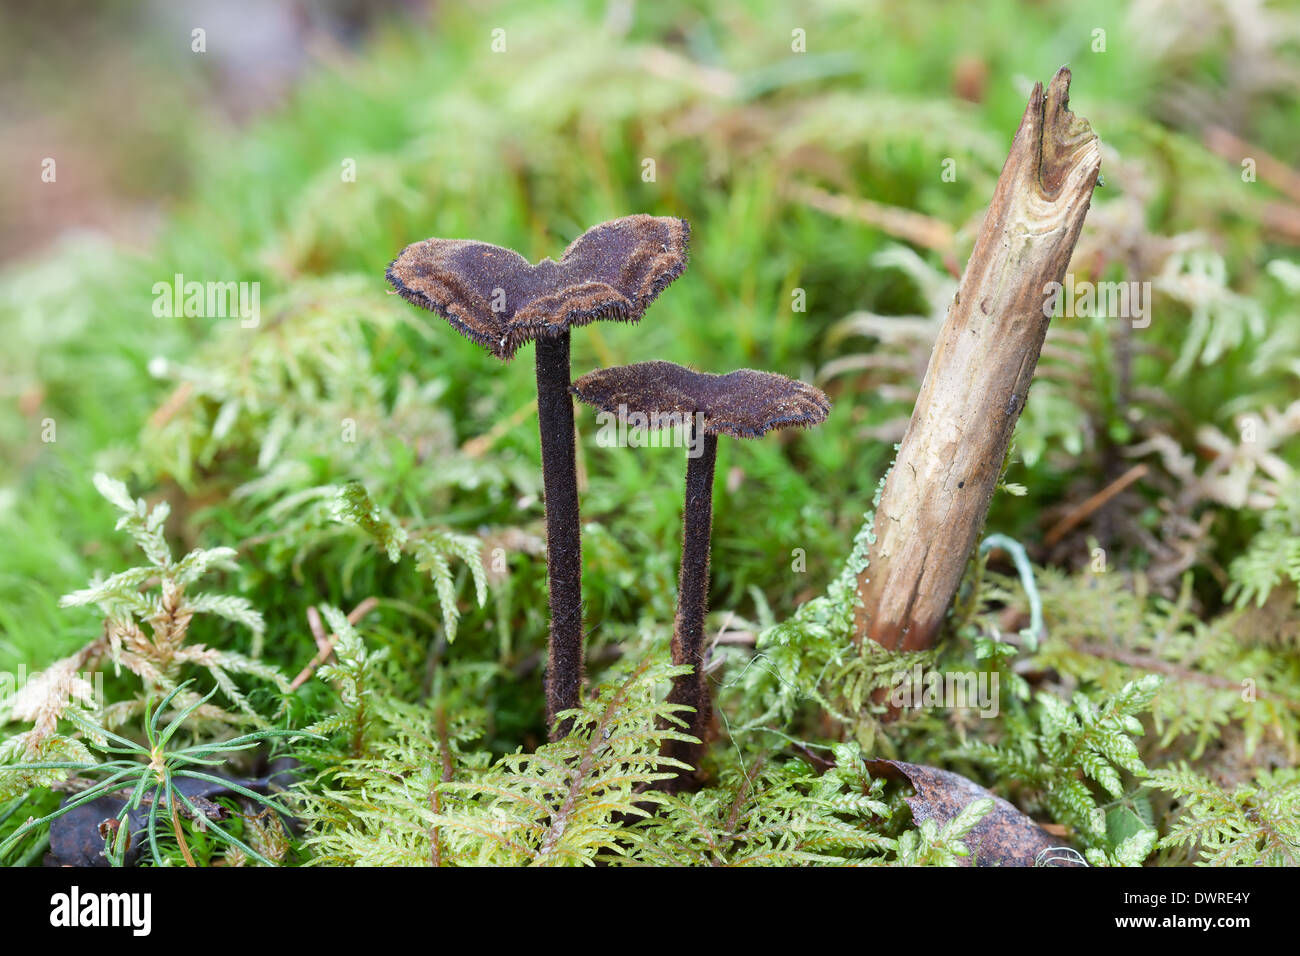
743 404
494 297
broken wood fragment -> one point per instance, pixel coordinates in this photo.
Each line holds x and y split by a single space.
935 500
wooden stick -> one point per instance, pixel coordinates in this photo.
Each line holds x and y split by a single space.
1082 512
318 630
1271 169
896 221
938 492
1159 666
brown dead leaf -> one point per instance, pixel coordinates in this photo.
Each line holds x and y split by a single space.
1005 837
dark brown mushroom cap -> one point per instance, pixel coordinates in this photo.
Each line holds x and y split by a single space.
494 297
744 404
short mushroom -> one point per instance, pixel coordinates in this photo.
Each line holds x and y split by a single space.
743 404
494 297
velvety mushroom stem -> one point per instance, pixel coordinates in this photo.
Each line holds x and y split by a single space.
744 403
693 597
563 533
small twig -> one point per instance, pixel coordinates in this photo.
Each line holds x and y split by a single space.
1159 666
435 798
744 638
180 836
667 64
725 636
905 224
1271 169
1281 221
168 409
742 793
326 645
1081 512
317 629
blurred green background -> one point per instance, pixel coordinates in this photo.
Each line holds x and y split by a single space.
806 143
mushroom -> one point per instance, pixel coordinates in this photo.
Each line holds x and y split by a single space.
494 297
743 404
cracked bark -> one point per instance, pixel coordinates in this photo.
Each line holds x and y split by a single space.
936 497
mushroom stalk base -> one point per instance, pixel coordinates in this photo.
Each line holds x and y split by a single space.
563 533
693 601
